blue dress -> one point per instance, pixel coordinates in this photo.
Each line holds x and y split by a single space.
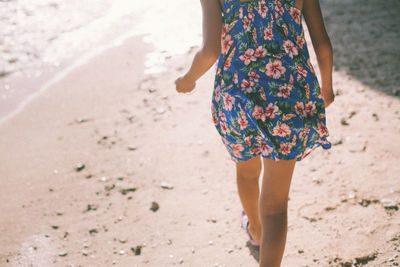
266 99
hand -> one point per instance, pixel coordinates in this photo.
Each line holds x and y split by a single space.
183 85
328 96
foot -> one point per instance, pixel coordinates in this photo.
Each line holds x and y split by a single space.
255 234
250 230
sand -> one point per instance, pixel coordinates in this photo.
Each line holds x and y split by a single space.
109 166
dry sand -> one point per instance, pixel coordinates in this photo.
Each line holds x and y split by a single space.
82 164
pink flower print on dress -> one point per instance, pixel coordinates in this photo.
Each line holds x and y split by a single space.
258 113
250 13
260 51
228 63
237 149
247 85
291 79
214 115
299 108
294 139
300 41
222 116
224 127
262 9
285 148
295 13
322 130
236 78
247 140
285 30
255 150
282 130
284 91
302 70
215 119
229 59
307 87
226 43
278 9
290 48
216 94
248 56
275 69
246 23
242 122
265 148
228 101
268 35
310 107
271 110
253 76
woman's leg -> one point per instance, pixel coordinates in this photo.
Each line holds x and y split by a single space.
273 210
247 178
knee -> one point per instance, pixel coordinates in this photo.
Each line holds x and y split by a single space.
250 169
251 173
271 209
247 176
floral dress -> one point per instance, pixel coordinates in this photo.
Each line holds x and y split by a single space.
266 99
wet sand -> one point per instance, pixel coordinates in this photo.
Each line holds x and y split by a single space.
114 167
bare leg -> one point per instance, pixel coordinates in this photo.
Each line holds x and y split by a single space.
247 178
273 210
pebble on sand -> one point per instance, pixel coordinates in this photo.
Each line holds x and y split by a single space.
124 191
213 220
166 185
154 206
80 167
316 180
352 113
137 250
91 207
81 120
63 254
93 231
375 116
389 204
344 122
109 187
132 147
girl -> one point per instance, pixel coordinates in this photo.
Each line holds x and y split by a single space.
267 104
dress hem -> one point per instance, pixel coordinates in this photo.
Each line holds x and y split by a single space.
298 157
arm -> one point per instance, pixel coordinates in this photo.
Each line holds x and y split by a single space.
211 47
322 46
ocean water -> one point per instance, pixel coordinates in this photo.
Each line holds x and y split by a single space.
39 39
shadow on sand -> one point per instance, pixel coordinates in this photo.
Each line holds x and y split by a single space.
365 36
